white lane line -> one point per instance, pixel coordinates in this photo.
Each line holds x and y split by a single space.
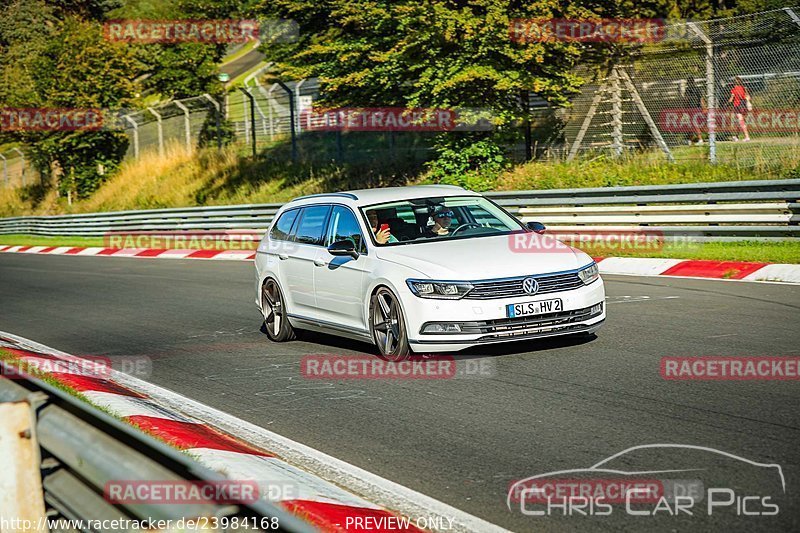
378 490
636 299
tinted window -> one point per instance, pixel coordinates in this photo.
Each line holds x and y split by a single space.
312 224
484 217
283 227
344 226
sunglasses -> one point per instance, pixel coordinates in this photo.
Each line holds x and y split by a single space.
444 214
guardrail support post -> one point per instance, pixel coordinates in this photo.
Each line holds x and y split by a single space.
160 131
21 495
246 93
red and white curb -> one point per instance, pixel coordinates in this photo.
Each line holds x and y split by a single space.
634 266
695 268
226 255
242 451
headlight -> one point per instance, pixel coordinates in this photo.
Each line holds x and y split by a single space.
448 290
589 274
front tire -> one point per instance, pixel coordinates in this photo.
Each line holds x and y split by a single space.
387 326
273 306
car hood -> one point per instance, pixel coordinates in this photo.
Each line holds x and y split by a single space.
485 257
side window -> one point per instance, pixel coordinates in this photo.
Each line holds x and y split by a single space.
344 226
312 224
281 230
485 218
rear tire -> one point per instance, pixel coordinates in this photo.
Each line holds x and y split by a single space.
387 326
273 306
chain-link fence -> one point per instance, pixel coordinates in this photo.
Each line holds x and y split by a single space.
15 169
724 90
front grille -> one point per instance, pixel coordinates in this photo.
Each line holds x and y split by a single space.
511 287
500 326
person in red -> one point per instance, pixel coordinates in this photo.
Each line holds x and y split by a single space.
740 99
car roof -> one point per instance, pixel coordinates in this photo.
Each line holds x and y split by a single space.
361 197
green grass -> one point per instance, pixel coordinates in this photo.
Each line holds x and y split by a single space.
787 252
755 251
41 240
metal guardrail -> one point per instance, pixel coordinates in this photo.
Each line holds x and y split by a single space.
83 448
766 209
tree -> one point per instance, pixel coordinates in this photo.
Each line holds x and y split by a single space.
56 60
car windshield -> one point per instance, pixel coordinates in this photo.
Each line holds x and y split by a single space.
437 218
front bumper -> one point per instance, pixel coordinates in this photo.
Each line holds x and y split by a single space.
485 322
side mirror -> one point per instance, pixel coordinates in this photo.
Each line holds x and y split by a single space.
536 227
343 248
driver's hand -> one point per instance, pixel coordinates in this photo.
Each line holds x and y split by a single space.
382 236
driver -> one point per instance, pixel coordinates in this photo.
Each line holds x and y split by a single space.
442 218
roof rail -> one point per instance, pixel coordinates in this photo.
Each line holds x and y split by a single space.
443 185
323 194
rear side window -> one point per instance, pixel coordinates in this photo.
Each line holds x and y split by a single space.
282 229
312 224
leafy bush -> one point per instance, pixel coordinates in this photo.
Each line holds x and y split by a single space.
474 165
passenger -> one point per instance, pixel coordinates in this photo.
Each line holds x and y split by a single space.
381 235
442 218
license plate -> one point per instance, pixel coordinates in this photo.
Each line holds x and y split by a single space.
534 308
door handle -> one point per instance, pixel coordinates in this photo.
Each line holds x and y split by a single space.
283 257
320 262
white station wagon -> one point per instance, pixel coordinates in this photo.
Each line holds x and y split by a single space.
425 269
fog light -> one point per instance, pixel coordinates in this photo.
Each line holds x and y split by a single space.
442 328
596 309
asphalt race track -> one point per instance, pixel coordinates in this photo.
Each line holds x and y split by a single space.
547 406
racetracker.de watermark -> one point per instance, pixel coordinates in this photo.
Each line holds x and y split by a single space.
181 31
691 120
607 490
396 119
184 240
342 367
50 119
133 492
718 368
539 30
221 31
90 366
598 240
